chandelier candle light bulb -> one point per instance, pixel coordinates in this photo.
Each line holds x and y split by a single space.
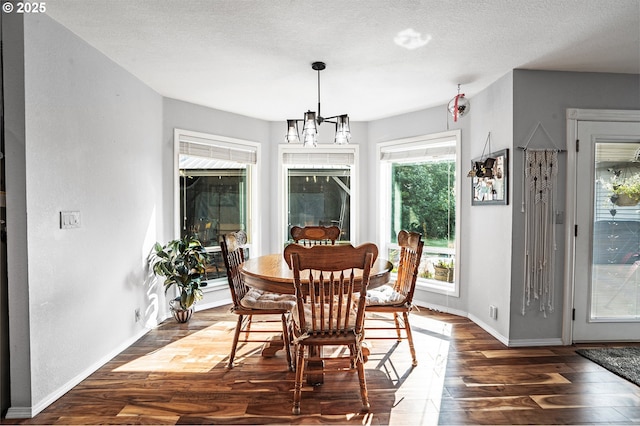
292 132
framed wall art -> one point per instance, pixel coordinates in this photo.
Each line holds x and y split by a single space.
490 180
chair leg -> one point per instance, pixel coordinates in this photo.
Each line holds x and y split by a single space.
234 345
353 353
247 329
287 341
407 327
363 385
297 392
397 321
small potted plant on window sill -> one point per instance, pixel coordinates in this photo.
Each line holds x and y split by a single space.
182 262
444 270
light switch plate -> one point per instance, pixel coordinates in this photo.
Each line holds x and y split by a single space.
69 219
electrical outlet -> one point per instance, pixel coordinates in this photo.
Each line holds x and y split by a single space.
493 312
137 314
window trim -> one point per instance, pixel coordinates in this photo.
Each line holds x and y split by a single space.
383 217
239 145
326 151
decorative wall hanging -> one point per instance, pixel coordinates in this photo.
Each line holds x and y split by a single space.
539 189
490 180
490 175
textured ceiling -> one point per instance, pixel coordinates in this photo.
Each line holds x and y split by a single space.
254 57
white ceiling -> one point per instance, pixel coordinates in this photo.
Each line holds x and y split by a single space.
254 57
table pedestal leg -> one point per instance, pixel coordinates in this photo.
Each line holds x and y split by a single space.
315 376
275 344
314 367
366 350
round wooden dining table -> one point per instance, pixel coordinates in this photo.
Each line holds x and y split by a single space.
271 273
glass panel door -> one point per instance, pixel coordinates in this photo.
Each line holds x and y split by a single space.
607 273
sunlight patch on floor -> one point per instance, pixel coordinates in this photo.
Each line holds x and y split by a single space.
414 384
196 353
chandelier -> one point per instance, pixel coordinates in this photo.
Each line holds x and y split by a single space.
312 122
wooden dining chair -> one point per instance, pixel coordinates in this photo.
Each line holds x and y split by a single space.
249 302
330 307
398 298
315 235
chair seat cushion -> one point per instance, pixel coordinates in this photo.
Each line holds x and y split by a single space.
384 295
325 326
259 299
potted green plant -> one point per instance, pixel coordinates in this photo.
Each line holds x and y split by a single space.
444 270
627 193
182 262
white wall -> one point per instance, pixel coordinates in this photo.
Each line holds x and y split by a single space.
92 144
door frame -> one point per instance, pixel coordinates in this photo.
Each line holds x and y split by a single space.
575 115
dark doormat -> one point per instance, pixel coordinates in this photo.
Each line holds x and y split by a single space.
625 362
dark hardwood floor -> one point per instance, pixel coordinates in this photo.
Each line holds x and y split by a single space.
176 375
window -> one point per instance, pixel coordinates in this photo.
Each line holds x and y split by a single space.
419 181
320 196
318 188
213 190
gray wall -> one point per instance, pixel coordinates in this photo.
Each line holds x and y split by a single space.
544 96
15 172
488 229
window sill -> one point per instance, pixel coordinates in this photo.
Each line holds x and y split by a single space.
435 286
215 285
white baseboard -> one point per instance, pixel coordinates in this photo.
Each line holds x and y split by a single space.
30 412
486 327
520 343
439 308
492 331
19 413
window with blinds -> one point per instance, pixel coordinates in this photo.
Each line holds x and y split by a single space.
319 188
215 150
419 184
214 188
